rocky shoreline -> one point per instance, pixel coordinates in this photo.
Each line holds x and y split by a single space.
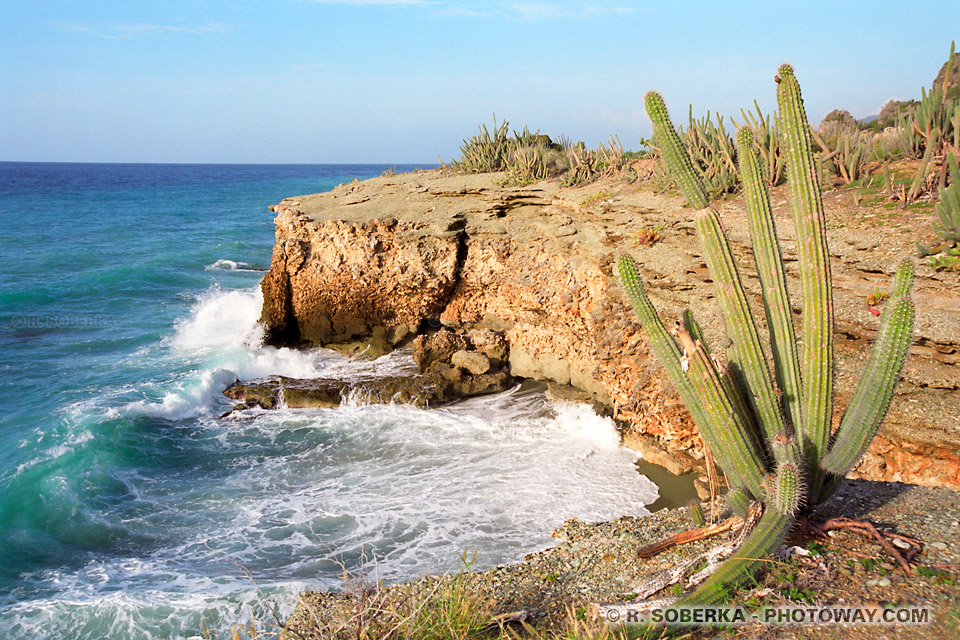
597 563
372 264
491 284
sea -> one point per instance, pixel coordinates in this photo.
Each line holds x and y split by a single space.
132 507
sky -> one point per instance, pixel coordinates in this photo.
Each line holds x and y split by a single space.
405 81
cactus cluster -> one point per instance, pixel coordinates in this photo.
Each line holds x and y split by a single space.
947 227
771 433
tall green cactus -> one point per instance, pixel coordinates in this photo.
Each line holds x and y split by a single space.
770 434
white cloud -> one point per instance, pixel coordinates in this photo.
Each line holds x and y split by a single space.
536 11
126 31
379 2
460 11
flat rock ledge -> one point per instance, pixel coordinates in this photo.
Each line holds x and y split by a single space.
369 265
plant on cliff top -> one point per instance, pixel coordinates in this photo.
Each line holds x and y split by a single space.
770 433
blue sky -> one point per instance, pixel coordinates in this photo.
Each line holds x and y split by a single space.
406 80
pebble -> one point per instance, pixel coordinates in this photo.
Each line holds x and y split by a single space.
884 582
872 583
897 542
955 523
938 545
845 572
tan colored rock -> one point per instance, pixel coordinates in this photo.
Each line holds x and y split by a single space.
429 249
472 361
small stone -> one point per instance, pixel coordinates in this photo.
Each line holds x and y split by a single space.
872 583
938 545
955 523
884 582
475 363
845 572
897 542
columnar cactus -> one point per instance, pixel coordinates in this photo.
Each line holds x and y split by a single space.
770 434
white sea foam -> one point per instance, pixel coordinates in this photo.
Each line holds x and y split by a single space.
219 342
408 488
288 493
230 265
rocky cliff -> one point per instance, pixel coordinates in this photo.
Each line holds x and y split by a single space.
399 255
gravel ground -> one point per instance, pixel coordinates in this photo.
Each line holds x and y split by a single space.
597 563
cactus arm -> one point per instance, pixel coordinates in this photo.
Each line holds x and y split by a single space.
747 353
872 397
744 564
817 321
738 499
740 459
674 154
724 429
790 490
729 381
662 344
773 280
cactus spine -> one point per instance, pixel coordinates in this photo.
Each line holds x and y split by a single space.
776 449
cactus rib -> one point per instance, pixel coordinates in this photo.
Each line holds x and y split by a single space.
773 280
817 320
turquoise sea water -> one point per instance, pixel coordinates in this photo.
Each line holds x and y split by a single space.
130 509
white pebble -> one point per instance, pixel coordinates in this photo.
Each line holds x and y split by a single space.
897 542
938 545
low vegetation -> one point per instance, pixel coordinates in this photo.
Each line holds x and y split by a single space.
902 156
527 157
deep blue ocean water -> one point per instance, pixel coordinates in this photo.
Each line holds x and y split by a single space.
129 508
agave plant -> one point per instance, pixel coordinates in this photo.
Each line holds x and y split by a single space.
770 433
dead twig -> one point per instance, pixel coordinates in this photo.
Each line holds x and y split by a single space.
685 537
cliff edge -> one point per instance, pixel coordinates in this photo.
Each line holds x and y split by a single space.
399 255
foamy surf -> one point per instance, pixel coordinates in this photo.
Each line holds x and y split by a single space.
218 343
291 494
230 265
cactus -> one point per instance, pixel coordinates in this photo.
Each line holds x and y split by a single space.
739 501
770 434
696 514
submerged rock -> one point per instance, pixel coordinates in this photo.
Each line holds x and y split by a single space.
449 365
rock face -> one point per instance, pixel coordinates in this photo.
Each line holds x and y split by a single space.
413 252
